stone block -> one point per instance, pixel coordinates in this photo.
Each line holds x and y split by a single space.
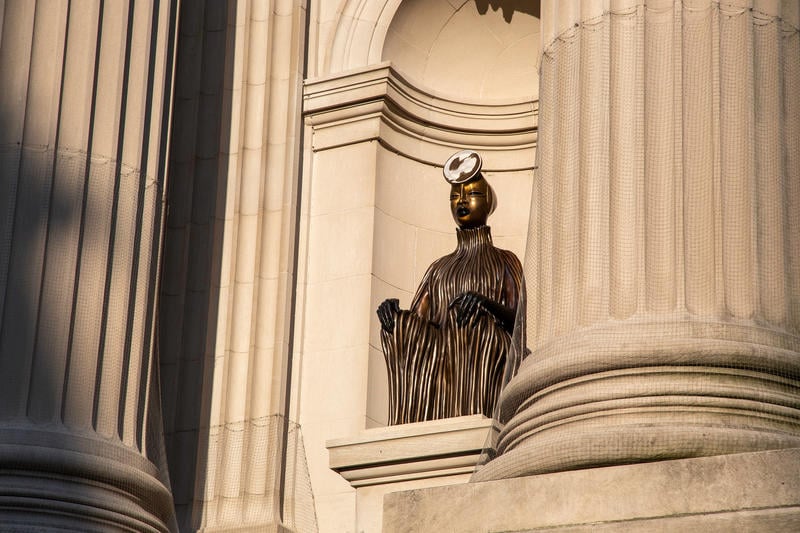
404 457
756 491
410 451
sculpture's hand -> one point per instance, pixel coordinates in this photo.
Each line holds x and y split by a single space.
386 313
469 304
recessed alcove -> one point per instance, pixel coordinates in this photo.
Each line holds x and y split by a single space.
477 50
378 129
470 68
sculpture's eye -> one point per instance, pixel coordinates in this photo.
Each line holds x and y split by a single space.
453 197
476 193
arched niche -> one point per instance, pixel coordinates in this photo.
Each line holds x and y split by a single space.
500 37
469 50
476 53
405 85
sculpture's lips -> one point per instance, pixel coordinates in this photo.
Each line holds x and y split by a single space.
462 211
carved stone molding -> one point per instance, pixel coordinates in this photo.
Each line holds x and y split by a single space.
377 103
83 482
422 450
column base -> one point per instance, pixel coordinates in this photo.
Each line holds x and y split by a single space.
55 481
649 392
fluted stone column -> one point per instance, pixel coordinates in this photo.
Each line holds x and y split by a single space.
237 461
663 262
82 100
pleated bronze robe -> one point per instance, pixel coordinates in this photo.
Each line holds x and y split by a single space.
436 368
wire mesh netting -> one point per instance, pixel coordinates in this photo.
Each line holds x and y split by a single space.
249 484
663 256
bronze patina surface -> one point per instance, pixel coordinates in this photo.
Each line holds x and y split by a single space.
447 354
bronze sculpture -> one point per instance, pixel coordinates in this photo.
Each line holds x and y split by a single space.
446 355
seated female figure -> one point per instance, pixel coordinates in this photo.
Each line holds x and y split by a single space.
446 355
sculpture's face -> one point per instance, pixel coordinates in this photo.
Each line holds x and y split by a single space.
471 203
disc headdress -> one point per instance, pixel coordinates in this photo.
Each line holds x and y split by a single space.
464 167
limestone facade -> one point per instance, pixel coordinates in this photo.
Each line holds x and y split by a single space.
204 203
250 297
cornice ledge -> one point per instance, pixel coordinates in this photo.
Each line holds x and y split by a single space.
410 451
414 113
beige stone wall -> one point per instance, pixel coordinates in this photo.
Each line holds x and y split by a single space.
467 50
335 317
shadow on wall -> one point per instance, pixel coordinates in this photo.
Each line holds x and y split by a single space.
188 303
509 7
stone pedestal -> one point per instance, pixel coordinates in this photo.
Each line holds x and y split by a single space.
405 457
756 491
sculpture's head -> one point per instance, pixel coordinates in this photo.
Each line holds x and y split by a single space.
471 203
472 199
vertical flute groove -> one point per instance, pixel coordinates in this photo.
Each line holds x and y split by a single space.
566 252
698 187
736 104
46 378
769 172
543 193
660 229
75 364
110 369
15 66
623 284
128 425
594 201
